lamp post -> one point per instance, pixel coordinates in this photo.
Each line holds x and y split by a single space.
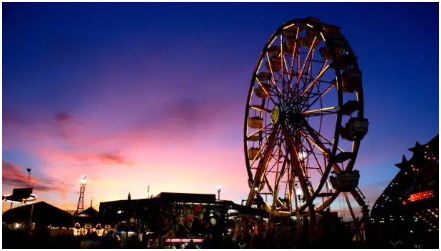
218 189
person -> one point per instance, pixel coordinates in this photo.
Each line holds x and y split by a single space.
190 245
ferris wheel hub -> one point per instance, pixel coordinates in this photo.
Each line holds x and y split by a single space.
291 114
275 114
296 119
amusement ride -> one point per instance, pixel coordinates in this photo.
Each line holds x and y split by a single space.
304 122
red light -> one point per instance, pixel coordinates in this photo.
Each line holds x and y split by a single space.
420 196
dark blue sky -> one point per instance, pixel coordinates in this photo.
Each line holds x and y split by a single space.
115 68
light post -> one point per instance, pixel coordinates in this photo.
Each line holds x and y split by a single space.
83 182
218 189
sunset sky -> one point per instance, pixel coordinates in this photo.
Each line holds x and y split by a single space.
138 94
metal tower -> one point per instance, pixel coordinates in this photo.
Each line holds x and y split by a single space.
80 206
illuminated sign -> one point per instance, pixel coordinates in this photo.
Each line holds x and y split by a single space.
184 240
420 196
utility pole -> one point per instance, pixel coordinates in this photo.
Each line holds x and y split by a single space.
29 177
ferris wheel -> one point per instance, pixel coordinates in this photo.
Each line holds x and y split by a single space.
304 121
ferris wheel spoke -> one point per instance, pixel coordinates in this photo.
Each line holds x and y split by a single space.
272 74
327 202
358 197
263 164
323 69
311 131
274 157
315 156
303 179
320 168
320 96
294 55
299 74
286 69
327 156
282 66
321 111
320 147
264 90
290 186
270 189
262 128
260 108
308 74
277 180
259 152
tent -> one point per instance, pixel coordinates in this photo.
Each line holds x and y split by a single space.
43 214
89 215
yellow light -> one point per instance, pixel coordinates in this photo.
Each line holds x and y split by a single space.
271 70
273 41
263 88
258 130
255 107
321 110
306 60
312 141
323 37
288 26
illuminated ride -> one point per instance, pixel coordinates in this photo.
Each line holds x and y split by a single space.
303 121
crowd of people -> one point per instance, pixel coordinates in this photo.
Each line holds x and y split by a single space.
243 232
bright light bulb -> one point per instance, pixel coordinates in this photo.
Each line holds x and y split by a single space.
83 180
299 191
302 155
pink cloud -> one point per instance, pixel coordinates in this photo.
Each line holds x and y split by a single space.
183 145
14 176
